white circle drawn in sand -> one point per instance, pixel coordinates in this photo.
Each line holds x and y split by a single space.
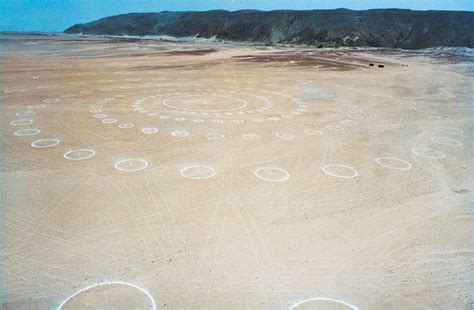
109 121
215 136
180 133
149 130
26 113
197 172
250 137
393 163
148 295
21 122
36 106
27 132
340 171
272 174
126 126
446 141
450 130
79 154
198 103
428 153
335 128
322 299
284 135
43 143
131 165
440 119
313 132
348 122
51 100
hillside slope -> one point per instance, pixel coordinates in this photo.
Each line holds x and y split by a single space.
320 28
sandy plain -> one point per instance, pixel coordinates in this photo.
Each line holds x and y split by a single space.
139 174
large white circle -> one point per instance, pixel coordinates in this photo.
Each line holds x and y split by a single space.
294 306
42 143
272 174
148 295
197 172
446 141
428 153
21 122
131 165
340 171
79 154
168 102
27 132
393 163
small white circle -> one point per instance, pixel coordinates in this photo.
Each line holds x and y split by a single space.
131 165
26 113
356 116
340 171
272 174
36 106
197 172
284 135
428 153
446 141
27 132
450 130
79 154
251 137
215 136
99 116
335 128
348 122
149 130
313 132
109 121
126 126
51 100
180 133
21 122
393 163
440 119
43 143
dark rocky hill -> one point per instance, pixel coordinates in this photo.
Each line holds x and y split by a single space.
321 28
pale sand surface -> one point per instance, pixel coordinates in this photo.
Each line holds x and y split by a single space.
260 177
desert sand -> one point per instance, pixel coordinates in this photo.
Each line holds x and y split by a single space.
191 175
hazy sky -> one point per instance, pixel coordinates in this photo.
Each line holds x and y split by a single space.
57 15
